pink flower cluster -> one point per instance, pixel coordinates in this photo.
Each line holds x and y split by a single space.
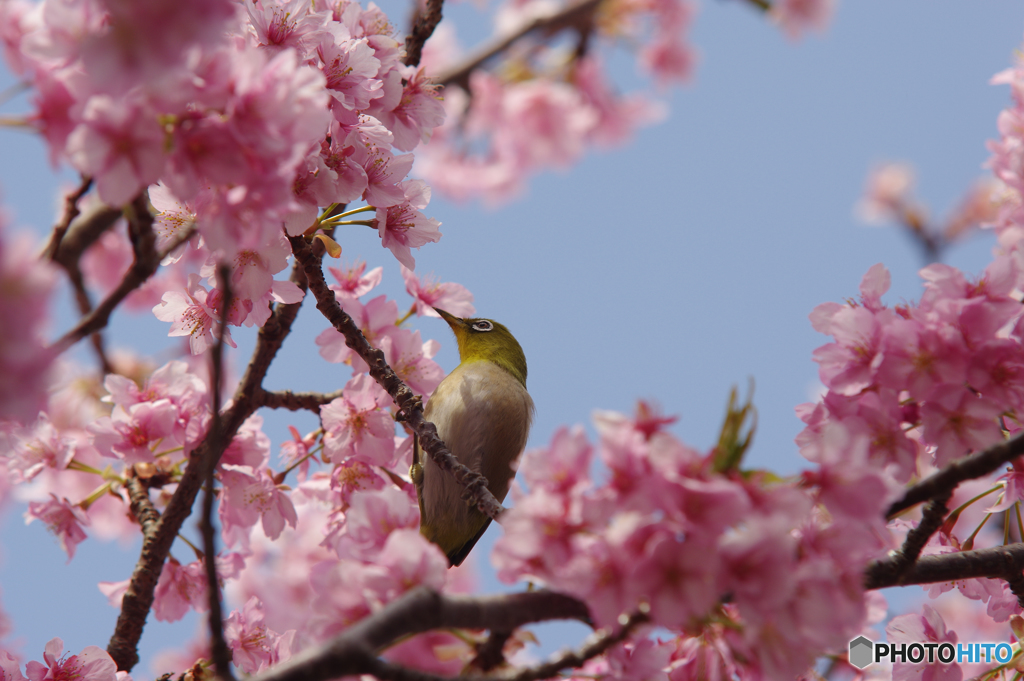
666 529
249 116
920 385
532 116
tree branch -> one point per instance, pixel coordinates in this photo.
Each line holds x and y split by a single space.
138 599
1001 562
75 238
916 539
292 401
70 213
218 443
572 14
355 650
409 403
147 259
969 467
141 505
422 28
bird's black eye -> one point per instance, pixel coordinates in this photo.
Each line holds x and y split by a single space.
483 325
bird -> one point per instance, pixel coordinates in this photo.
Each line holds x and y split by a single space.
483 413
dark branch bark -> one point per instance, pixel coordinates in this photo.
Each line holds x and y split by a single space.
916 539
218 443
422 28
141 505
147 259
1001 562
578 13
70 213
286 399
355 650
408 402
969 467
156 545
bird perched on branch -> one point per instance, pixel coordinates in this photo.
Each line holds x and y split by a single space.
483 413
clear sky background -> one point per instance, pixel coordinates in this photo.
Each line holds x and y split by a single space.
670 269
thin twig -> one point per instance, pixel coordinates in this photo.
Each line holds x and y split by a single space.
969 467
572 14
422 28
142 268
408 402
218 645
355 650
83 232
70 213
138 599
292 401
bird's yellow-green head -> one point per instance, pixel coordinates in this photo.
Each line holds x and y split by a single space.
486 339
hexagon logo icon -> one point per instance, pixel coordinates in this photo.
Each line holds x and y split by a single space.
861 652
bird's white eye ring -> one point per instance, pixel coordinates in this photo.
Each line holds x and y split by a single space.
483 325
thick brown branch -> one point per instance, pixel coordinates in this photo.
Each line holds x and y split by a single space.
355 650
1002 562
970 467
422 28
491 653
578 13
916 539
408 402
141 505
139 597
286 399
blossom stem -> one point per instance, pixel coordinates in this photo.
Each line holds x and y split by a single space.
337 223
1020 525
84 504
969 542
408 314
76 465
170 451
354 211
283 474
198 551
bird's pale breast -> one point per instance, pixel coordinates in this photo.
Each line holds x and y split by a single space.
483 414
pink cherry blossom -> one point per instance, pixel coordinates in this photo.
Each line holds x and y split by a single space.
195 314
92 664
62 518
797 16
371 517
353 282
358 424
403 227
958 422
181 588
926 627
248 497
429 294
121 144
412 360
254 646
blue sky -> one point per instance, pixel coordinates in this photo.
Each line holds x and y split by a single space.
670 269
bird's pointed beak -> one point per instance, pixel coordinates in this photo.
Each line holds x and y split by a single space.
452 320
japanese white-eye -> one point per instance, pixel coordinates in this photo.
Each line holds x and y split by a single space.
483 413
